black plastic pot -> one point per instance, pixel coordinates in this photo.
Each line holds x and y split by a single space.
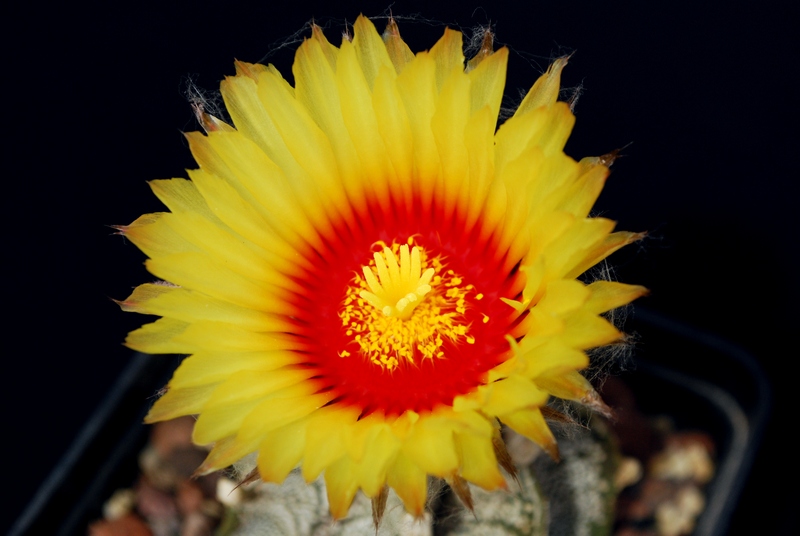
704 383
701 381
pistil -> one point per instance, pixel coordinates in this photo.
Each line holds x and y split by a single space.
399 286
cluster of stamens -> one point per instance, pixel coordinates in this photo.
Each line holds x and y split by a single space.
401 311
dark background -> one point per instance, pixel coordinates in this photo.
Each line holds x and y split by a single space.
704 93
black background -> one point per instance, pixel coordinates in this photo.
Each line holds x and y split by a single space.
704 92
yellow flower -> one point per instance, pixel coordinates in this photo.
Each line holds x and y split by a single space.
369 278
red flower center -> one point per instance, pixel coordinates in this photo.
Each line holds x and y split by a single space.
390 335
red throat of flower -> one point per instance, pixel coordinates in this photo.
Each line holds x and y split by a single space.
407 311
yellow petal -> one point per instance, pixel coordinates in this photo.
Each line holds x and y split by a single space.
585 330
603 249
395 131
237 253
563 296
448 125
379 454
417 87
545 91
207 367
181 195
431 448
251 70
341 486
569 386
531 424
549 357
316 89
179 402
545 128
478 139
329 51
313 174
157 337
448 55
488 80
511 394
583 193
251 385
608 295
578 242
370 49
354 91
197 271
251 223
410 483
188 306
254 418
240 94
398 50
260 183
219 337
224 453
325 439
478 461
227 411
281 450
218 423
151 235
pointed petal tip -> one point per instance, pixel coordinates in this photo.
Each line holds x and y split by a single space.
593 401
252 476
379 507
125 305
560 62
317 32
245 69
120 229
485 50
203 470
152 417
640 291
461 488
391 30
552 451
555 68
609 158
504 458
